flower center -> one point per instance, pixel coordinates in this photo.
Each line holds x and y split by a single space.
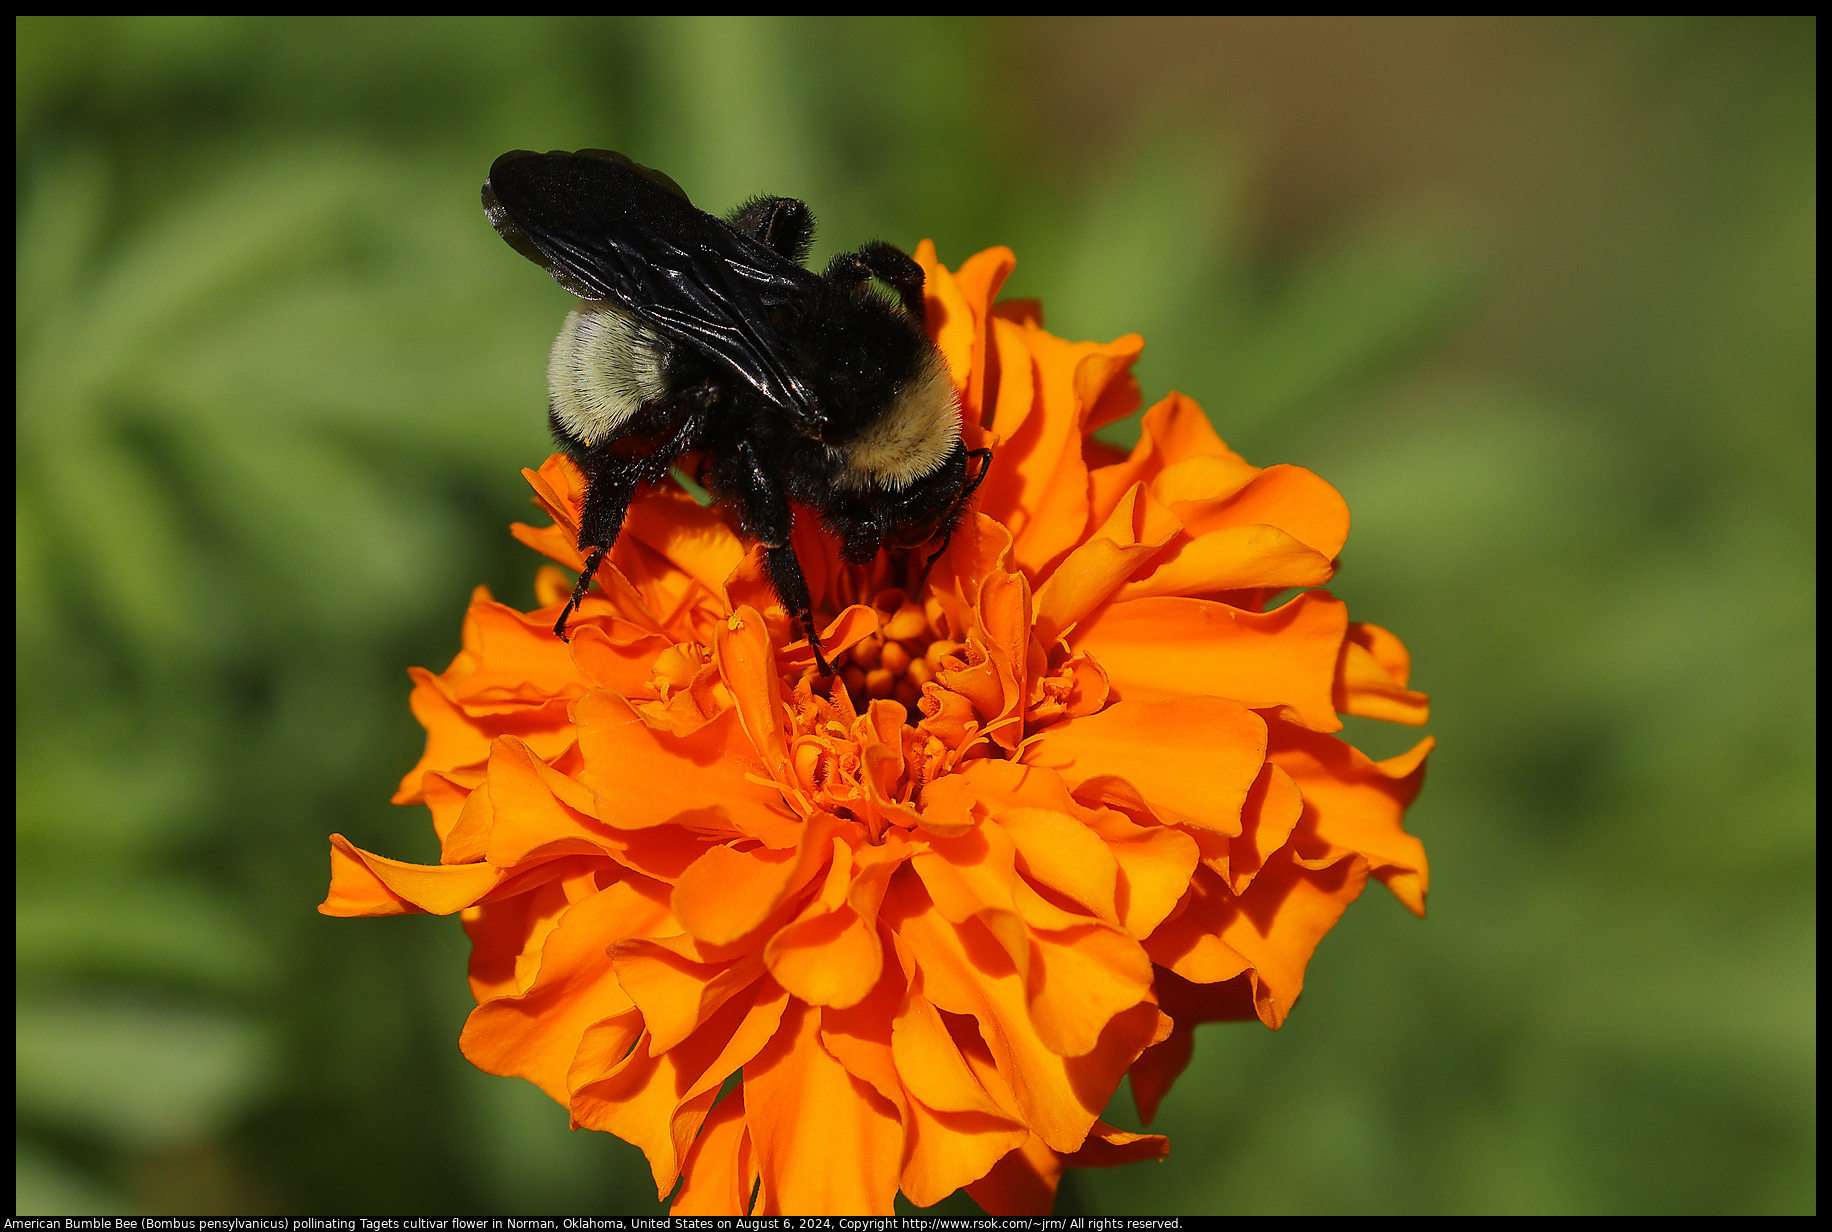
895 662
867 743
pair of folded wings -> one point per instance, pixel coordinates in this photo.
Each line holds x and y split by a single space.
608 228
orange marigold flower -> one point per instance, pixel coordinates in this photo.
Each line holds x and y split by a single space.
1075 796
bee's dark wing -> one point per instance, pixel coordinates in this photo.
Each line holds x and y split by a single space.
607 228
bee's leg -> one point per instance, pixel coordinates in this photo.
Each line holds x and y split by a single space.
792 589
765 516
781 223
614 481
887 263
607 499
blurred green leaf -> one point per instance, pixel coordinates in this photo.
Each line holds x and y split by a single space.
136 1072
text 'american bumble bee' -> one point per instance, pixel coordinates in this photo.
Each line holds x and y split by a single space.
698 335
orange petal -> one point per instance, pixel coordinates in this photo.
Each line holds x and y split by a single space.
859 1036
726 893
469 833
1271 813
1022 1183
953 321
535 806
827 956
929 1063
1188 1005
980 547
1288 497
967 970
514 661
1082 979
535 1034
1173 430
1130 536
638 1103
658 1103
1371 678
1193 758
980 277
1155 863
1108 1147
1179 647
1047 483
748 664
500 933
1357 805
697 540
446 794
1279 921
1190 944
950 1149
452 739
1233 558
827 1144
720 1169
365 884
968 873
1014 416
617 655
1104 385
676 994
1058 851
641 777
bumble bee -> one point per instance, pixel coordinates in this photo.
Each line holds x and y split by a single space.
696 334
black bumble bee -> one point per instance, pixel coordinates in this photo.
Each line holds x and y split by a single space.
697 334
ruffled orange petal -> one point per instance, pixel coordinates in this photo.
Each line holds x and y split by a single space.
1193 759
828 1141
929 1062
1190 943
968 970
534 809
1022 1183
535 1034
1043 493
677 992
1082 980
728 892
697 540
721 1168
364 884
1131 535
1371 678
1172 431
1178 647
1288 497
635 772
1355 805
1189 1005
1279 921
828 955
658 1102
1230 558
950 1149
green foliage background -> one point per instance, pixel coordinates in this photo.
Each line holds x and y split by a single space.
1549 328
